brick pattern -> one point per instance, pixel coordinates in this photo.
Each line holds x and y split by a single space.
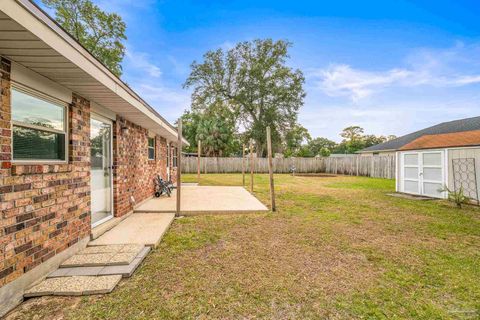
44 208
5 119
133 172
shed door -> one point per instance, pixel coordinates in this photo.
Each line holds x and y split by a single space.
411 173
432 174
423 173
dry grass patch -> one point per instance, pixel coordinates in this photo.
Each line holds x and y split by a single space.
338 248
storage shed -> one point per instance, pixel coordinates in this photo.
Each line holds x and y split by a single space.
447 154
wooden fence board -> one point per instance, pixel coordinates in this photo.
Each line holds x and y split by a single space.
369 166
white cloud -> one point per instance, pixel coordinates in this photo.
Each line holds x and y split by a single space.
169 102
453 67
140 60
343 80
124 7
227 45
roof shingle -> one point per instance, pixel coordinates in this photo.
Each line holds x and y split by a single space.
462 125
446 140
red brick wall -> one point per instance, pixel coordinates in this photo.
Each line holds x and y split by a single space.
45 208
133 171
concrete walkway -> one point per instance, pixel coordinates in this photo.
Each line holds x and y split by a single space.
206 200
117 253
139 228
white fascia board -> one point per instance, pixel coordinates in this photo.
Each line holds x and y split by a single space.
35 21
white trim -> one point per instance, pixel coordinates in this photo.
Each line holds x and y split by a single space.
397 162
31 80
41 96
466 147
446 167
377 151
420 167
101 221
102 111
30 17
154 148
105 120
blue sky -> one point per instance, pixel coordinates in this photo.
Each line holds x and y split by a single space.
389 66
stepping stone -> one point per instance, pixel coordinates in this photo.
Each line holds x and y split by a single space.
103 256
88 260
74 286
123 270
101 249
126 271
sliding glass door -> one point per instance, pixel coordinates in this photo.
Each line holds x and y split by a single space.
101 170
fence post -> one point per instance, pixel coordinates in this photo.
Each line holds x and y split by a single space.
198 159
372 170
270 169
251 166
243 165
179 165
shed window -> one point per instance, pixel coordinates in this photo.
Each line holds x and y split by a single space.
39 128
151 148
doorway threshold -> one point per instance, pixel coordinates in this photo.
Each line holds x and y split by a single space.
100 229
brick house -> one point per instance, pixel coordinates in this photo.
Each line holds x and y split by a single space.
78 147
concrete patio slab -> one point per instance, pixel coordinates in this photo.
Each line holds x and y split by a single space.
74 286
139 228
206 200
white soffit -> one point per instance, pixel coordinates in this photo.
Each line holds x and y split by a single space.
29 37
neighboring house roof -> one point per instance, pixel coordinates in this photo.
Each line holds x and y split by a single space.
33 39
456 139
462 125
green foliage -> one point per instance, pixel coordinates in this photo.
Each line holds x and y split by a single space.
321 146
190 122
254 84
216 136
99 32
294 140
456 196
325 152
354 140
216 132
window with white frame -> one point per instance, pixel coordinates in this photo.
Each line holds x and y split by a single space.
168 155
151 148
174 157
39 128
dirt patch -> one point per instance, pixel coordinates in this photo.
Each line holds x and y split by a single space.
321 175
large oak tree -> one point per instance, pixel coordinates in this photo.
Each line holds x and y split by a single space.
100 32
253 81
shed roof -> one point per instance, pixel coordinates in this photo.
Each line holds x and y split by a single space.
461 125
446 140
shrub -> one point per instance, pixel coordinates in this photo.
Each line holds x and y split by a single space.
456 196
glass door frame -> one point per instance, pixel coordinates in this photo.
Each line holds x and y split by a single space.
112 214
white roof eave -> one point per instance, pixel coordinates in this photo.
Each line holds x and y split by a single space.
131 106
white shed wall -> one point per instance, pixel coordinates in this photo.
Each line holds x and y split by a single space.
459 153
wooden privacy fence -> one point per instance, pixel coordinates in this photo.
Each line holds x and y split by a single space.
369 166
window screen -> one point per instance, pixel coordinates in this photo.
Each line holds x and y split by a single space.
174 157
151 148
39 129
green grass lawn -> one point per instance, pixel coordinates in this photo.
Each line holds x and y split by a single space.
337 248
